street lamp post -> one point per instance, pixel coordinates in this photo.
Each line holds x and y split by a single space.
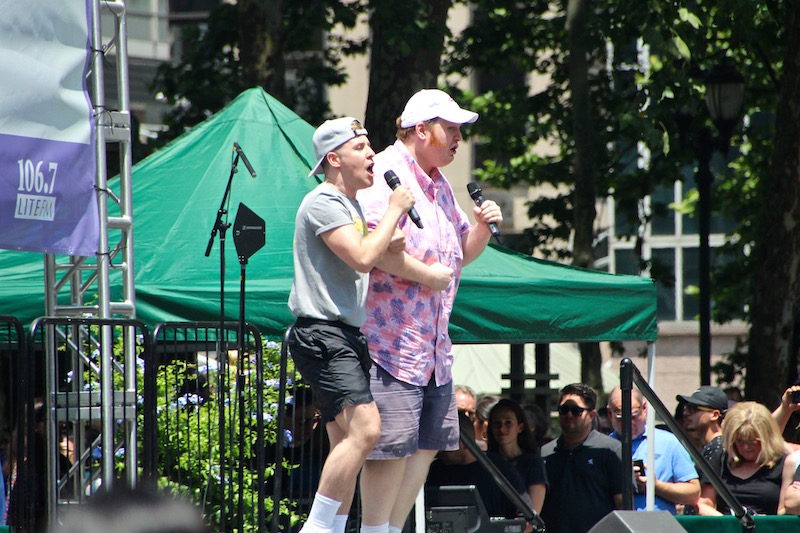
724 98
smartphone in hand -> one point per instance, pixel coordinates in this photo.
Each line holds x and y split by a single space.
637 463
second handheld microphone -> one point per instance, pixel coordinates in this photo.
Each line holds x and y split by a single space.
476 194
394 182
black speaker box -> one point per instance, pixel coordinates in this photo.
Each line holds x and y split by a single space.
638 522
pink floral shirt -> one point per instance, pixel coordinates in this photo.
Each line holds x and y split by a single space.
407 323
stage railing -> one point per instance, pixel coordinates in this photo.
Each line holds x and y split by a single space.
630 376
205 420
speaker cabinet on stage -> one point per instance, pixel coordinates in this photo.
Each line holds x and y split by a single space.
638 522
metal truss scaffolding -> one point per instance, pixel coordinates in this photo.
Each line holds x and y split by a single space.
88 283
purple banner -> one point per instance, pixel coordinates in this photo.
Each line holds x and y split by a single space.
47 201
48 162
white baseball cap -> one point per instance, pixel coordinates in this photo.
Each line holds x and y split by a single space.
433 103
331 135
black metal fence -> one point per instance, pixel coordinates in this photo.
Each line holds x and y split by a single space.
14 383
89 403
300 448
205 423
72 418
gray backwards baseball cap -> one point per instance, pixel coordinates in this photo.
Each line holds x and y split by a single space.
707 396
331 135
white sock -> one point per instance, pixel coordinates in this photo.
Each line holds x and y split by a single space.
323 511
339 523
383 528
393 529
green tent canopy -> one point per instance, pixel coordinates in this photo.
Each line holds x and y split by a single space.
514 298
504 296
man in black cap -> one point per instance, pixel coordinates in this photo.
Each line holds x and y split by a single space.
703 412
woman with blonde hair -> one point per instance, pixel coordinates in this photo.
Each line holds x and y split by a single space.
752 463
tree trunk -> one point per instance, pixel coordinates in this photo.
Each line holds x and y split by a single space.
406 49
584 167
777 283
261 45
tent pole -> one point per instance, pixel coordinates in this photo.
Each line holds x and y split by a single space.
650 495
542 351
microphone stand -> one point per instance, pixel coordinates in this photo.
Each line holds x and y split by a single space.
222 352
248 236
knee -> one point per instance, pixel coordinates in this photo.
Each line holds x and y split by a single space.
372 432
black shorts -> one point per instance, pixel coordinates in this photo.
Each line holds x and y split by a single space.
333 359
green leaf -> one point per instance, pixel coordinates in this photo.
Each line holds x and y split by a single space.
681 46
689 17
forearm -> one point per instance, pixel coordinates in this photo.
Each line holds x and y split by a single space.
786 408
403 265
704 509
474 242
781 415
537 493
682 492
375 245
617 501
791 502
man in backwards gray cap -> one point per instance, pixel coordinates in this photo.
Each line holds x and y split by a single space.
333 255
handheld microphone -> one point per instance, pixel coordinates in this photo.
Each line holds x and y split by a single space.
476 194
394 182
244 159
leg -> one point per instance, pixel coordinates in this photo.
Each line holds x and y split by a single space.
416 471
353 434
381 481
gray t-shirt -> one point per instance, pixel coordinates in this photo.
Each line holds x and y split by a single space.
324 286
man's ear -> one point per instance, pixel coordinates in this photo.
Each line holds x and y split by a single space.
333 159
421 130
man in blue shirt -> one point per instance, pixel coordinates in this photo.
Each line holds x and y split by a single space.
676 479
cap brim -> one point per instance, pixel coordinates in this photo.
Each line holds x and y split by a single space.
694 401
460 116
317 168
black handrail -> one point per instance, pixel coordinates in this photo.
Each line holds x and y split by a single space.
530 514
629 375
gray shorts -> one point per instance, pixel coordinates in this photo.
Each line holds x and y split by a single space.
412 417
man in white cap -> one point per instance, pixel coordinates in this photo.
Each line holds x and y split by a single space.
409 303
333 255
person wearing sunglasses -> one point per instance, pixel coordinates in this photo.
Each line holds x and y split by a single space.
703 412
676 480
583 465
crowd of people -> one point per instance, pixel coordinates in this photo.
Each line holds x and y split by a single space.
740 440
